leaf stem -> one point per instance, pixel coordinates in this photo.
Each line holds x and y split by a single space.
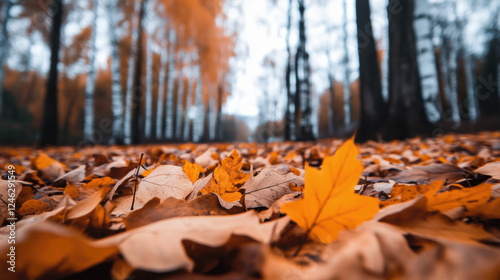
135 183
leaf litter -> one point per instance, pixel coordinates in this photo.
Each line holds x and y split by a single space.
413 209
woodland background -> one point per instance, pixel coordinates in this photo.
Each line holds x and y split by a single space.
172 70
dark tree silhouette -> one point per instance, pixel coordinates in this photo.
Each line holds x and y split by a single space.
406 115
303 114
288 76
49 129
137 99
373 111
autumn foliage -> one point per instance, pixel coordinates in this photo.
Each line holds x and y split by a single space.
406 209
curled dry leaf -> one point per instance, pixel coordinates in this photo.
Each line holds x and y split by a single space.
206 160
49 166
153 211
492 169
46 250
270 185
432 172
158 246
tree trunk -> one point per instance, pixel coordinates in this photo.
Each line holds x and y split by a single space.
116 88
211 113
303 112
406 113
218 123
331 111
180 97
426 60
198 122
347 73
49 129
4 42
169 107
148 112
373 111
161 94
88 123
138 96
189 102
289 97
127 127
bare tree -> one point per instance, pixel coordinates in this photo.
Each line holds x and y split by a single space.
4 42
49 130
373 111
116 88
426 61
88 123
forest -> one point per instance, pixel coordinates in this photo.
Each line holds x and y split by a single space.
165 69
249 139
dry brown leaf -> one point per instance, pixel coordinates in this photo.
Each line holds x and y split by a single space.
492 169
153 211
270 185
165 181
158 246
46 250
49 166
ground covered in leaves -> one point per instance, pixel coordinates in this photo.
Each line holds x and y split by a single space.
415 209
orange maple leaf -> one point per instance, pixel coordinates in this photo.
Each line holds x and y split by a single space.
330 204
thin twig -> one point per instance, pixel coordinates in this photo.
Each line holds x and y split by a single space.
135 183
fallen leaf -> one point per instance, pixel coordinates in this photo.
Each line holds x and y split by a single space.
158 246
432 172
165 181
269 185
222 185
468 197
46 250
34 206
193 171
153 211
330 204
49 166
232 165
492 169
403 192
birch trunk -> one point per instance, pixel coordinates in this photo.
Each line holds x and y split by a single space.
211 115
347 72
130 78
161 94
4 42
88 123
148 121
426 61
189 101
453 98
116 88
198 121
180 97
169 108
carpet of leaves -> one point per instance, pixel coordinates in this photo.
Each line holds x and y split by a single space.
414 209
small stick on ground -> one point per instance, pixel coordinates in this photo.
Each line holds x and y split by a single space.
136 179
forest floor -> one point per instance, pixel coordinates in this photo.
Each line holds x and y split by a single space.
414 209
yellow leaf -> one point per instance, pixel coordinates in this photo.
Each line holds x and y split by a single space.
401 192
330 204
193 171
232 165
468 197
488 210
221 184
